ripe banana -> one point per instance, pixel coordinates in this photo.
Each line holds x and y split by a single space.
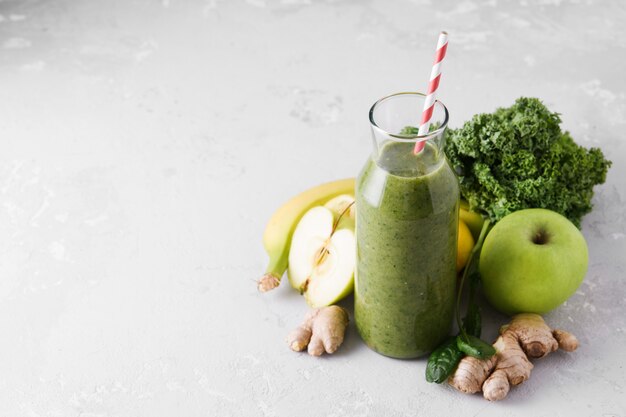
279 229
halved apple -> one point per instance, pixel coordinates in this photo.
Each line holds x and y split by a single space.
322 257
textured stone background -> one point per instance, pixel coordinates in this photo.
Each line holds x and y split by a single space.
143 145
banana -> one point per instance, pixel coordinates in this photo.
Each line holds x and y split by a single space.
279 229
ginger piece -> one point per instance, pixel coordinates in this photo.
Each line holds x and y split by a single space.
567 341
322 331
512 367
471 373
526 337
533 334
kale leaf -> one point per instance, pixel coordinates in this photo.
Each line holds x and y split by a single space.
518 157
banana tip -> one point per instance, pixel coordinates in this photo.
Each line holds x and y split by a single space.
268 282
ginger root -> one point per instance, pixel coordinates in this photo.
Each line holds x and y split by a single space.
526 337
322 331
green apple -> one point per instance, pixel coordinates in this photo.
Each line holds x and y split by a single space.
322 255
532 261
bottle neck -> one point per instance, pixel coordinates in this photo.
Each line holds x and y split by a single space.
400 157
394 120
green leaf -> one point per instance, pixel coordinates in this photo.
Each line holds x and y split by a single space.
473 346
443 361
412 130
409 130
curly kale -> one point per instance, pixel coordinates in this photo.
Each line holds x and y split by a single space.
518 157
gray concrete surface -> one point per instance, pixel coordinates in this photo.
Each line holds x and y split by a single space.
143 145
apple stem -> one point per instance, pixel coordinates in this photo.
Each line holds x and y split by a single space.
476 249
340 216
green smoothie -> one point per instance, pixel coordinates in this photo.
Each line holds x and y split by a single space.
407 225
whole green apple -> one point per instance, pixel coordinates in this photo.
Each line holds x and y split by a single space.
532 261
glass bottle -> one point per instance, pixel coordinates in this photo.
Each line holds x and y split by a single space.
407 223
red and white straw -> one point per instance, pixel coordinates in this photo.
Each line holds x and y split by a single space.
429 102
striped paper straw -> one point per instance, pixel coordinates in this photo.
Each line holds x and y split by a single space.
429 102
